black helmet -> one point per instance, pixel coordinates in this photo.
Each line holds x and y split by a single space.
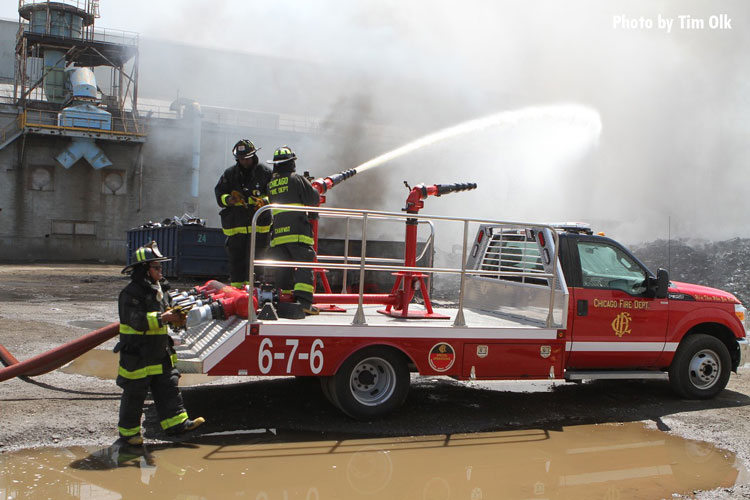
284 153
145 254
244 149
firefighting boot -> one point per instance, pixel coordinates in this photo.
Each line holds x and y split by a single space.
309 309
136 440
186 426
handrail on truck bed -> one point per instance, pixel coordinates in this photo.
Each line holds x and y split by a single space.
363 265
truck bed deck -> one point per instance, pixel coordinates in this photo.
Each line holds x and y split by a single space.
205 345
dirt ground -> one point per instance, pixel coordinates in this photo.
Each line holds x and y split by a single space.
45 305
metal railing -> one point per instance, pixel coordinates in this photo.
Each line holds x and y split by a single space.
89 33
118 37
365 263
105 35
84 5
238 117
40 118
241 118
428 245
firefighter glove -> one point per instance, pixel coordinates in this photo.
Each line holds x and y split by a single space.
258 202
238 199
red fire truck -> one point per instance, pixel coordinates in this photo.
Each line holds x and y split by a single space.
532 301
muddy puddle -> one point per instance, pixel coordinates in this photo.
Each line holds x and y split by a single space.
103 364
608 461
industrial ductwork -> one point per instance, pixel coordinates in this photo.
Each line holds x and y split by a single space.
188 108
84 113
83 147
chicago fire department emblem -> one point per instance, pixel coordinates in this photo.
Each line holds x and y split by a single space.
621 324
442 356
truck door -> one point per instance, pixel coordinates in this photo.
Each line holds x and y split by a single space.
614 323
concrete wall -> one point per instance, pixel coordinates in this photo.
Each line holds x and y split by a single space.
50 213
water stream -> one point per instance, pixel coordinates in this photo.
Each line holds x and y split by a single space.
569 114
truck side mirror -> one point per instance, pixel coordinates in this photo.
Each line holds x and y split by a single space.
662 283
658 287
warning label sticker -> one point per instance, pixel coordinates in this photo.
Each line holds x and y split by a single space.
442 356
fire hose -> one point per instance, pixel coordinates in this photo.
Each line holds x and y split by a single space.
55 358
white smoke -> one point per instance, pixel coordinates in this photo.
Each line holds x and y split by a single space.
672 156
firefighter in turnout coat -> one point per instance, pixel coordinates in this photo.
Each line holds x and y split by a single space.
147 358
240 192
292 238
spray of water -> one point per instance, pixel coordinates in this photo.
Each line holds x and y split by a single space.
572 114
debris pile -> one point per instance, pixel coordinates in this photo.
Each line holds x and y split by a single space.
185 220
718 264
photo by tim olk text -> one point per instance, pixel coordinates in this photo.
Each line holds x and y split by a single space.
668 24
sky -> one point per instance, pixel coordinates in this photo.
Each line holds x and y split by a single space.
630 114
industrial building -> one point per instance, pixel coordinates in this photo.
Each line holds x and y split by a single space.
101 131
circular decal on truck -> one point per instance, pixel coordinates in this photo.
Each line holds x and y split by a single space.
442 356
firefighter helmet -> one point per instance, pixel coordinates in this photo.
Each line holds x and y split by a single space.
145 254
284 153
244 149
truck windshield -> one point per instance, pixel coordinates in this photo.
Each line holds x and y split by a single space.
606 266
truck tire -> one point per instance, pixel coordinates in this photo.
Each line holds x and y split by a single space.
700 368
370 383
324 384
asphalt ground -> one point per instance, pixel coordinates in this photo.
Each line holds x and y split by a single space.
43 306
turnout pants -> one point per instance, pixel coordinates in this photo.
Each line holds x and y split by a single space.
167 399
298 280
238 251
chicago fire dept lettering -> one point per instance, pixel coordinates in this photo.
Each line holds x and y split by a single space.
621 304
621 324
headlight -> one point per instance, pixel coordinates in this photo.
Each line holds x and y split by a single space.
739 311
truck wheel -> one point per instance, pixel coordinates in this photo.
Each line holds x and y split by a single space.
700 368
371 383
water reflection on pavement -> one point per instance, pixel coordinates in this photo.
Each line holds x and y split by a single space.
606 461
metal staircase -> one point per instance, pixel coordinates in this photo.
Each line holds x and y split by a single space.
10 133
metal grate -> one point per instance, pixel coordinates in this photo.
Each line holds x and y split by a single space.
514 251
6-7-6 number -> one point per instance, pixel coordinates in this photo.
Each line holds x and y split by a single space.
267 355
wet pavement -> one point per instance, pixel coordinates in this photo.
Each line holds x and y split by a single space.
103 364
606 461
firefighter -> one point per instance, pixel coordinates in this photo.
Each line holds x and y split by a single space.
292 238
147 356
240 192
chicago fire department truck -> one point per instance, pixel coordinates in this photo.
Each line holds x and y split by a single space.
532 301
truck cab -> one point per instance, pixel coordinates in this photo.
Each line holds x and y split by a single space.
625 321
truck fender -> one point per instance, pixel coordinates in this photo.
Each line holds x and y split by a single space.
703 316
379 343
